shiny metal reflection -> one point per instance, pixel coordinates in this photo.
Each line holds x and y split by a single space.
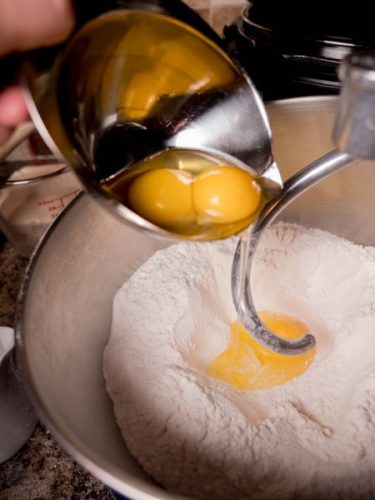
130 84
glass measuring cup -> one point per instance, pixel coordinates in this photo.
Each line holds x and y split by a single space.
34 188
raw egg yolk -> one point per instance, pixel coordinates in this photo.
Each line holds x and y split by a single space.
203 75
222 195
219 195
163 196
140 96
248 365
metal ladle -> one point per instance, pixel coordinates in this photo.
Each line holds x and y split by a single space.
80 98
354 134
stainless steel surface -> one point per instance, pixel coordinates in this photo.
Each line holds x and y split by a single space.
355 128
17 416
88 255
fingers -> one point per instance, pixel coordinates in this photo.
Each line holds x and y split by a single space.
12 111
12 107
26 24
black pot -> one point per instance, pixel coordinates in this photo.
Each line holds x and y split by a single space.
293 48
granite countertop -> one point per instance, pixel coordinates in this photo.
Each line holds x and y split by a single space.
41 470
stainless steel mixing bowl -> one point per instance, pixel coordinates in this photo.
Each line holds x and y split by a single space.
65 306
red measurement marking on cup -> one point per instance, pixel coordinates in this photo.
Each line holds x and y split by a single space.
55 205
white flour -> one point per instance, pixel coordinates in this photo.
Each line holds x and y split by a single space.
311 438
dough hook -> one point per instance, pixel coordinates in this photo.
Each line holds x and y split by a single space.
355 137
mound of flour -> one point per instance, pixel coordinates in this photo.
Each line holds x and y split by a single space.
311 438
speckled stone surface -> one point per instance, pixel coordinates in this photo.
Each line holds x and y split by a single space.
41 470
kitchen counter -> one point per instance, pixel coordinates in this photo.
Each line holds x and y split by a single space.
41 469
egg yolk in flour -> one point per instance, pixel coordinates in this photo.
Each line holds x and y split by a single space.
248 365
218 195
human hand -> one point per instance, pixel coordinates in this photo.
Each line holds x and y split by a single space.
27 24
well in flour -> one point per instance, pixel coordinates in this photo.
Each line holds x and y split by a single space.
311 438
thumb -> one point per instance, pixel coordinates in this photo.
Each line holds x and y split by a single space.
26 24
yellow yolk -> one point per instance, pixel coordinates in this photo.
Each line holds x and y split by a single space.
247 365
140 96
163 197
222 195
206 71
219 195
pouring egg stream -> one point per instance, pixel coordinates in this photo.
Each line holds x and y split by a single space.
191 195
